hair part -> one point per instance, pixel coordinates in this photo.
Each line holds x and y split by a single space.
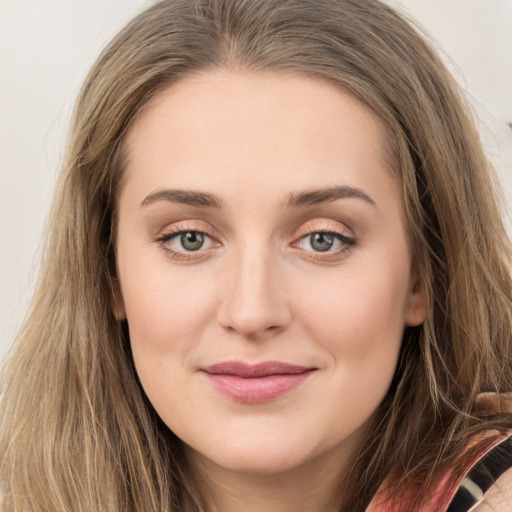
77 432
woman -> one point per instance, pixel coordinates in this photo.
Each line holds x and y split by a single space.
276 277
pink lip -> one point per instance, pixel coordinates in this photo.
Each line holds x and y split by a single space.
252 384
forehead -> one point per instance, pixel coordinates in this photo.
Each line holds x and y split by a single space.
224 127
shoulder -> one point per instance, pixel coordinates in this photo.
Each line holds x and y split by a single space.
487 486
499 496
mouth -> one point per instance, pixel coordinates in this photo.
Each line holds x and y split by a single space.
253 384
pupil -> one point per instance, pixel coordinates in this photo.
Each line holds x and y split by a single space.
192 241
322 241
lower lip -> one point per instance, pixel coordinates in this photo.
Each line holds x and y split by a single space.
257 390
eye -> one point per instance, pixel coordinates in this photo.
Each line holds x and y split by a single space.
183 244
327 242
186 241
321 242
191 240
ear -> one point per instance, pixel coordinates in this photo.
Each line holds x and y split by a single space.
117 301
416 305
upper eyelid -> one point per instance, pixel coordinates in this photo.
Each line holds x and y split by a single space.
185 226
166 236
323 226
330 231
343 238
173 232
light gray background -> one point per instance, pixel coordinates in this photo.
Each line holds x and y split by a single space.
47 46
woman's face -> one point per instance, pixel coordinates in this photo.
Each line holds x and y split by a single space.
264 268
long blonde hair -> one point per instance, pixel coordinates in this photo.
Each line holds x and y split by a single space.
77 432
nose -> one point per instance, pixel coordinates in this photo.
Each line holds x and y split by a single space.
254 299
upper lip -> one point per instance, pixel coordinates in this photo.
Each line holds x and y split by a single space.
245 370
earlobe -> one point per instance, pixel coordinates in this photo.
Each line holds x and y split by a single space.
117 301
416 306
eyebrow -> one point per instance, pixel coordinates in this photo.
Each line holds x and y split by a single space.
294 200
327 195
189 197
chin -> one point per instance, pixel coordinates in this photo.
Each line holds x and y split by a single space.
259 455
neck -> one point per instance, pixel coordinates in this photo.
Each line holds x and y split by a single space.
315 487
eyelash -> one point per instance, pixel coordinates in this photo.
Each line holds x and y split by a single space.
164 239
347 243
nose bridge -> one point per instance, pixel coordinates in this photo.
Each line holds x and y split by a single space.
254 300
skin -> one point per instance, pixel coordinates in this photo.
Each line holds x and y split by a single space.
499 497
258 289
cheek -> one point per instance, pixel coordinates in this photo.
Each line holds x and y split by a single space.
359 324
359 318
167 312
164 305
